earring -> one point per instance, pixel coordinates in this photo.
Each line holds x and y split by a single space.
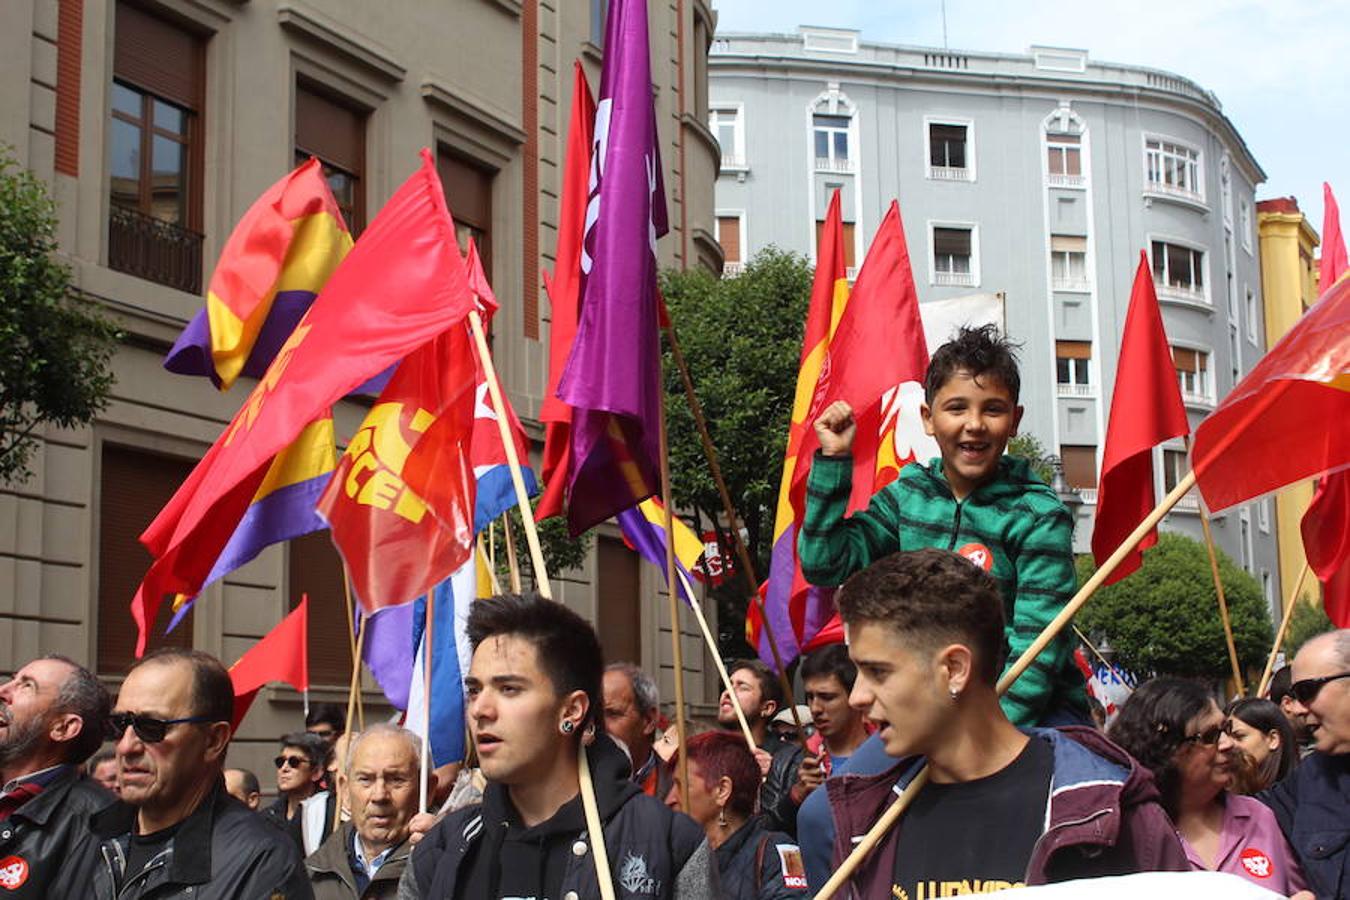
721 817
954 692
568 726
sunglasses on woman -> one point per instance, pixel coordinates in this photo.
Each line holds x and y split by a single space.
1306 691
1207 738
294 762
149 729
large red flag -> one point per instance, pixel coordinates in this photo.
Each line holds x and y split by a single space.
281 655
1285 421
400 502
564 293
1146 409
401 285
1326 524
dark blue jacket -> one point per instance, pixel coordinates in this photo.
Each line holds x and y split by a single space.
758 864
1313 808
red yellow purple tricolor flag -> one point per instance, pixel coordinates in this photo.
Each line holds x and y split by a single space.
829 296
644 529
273 266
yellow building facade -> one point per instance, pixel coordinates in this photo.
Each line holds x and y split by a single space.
1288 287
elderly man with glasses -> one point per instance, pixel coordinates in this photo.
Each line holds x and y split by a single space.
176 832
1313 803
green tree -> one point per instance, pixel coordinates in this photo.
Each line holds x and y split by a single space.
1164 619
57 347
742 338
1030 449
1308 619
561 551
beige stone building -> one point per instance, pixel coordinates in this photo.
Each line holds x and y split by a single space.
157 123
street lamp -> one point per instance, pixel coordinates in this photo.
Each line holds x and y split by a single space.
1068 495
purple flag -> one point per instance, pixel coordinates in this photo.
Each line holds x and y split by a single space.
612 379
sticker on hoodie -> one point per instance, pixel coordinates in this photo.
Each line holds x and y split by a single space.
979 554
794 870
13 872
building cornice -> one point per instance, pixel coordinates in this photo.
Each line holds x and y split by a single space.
341 40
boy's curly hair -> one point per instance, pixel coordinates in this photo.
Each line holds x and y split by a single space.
980 351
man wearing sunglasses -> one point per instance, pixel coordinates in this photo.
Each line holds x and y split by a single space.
176 832
1313 803
51 721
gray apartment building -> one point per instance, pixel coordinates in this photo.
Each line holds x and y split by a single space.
156 124
1038 176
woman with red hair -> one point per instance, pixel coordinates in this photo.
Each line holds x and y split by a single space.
753 863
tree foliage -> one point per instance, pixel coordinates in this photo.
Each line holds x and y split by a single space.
1164 619
561 551
1307 619
1029 448
57 347
742 339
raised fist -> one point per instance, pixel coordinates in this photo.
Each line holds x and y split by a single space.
836 429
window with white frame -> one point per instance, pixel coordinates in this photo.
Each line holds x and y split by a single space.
1245 223
830 139
950 154
1179 270
727 125
1175 468
1172 168
953 256
1263 515
1068 262
1073 365
1268 588
1253 315
1064 159
730 233
1193 374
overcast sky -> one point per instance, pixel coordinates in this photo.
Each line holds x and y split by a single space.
1281 70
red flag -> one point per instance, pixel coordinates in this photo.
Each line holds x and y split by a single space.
402 284
1286 420
1326 540
400 502
281 655
1146 409
1334 261
1326 524
478 281
564 293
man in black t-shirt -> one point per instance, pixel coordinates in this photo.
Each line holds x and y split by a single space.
1004 807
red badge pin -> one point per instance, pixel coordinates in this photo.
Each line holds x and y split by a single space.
1257 863
13 872
979 554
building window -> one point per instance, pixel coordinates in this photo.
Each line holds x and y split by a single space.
731 235
1179 271
1235 352
133 487
1245 223
951 154
598 10
1193 375
468 193
726 123
1245 523
1080 468
1175 467
1253 316
1068 263
1064 160
314 568
335 132
1073 362
154 227
1268 589
845 237
1263 515
618 581
954 257
830 136
1172 168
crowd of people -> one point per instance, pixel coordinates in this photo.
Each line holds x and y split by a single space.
948 572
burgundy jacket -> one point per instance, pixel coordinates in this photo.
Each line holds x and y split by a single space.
1103 816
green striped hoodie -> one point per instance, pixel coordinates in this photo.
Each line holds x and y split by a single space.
1015 516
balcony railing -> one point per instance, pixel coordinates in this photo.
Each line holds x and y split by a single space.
949 173
1190 398
1088 496
153 249
844 166
1170 190
731 161
954 279
1065 181
1189 502
1179 292
1075 390
732 269
1070 284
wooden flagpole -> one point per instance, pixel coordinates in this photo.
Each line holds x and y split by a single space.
733 526
352 692
593 826
717 661
1050 632
487 564
428 634
1097 653
356 653
1218 588
672 591
511 553
512 459
1284 627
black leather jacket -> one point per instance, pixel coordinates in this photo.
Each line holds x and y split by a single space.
41 839
222 851
775 799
